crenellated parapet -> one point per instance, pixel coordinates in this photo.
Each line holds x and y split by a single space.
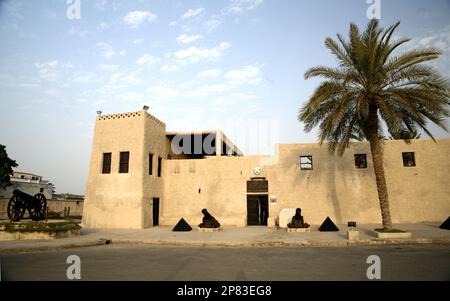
121 116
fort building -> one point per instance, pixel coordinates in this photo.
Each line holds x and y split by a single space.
141 176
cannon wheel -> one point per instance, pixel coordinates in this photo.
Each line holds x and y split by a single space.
16 209
38 207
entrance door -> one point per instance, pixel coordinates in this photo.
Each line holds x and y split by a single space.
155 211
257 210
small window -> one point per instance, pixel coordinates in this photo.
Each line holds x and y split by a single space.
22 177
408 159
124 160
306 163
106 163
159 166
361 161
150 164
41 190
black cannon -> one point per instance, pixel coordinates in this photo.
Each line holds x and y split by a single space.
21 201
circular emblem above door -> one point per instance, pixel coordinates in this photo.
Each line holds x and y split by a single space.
257 171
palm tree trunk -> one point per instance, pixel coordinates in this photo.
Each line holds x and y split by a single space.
377 159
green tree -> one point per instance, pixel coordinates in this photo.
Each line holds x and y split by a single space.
373 84
6 166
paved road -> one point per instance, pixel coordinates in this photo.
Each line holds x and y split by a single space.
144 262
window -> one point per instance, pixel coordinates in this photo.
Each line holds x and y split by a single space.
306 163
106 163
150 164
124 160
361 161
408 159
159 166
41 190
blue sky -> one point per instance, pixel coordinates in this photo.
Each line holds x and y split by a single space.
235 65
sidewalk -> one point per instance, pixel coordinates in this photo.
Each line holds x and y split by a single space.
231 237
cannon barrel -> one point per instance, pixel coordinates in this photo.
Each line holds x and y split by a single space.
22 195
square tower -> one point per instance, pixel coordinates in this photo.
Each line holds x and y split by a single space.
125 173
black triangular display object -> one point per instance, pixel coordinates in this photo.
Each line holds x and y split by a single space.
182 225
446 225
328 226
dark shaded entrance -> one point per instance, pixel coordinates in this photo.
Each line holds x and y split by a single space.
257 210
155 211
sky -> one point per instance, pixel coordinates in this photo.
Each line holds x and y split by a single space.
234 65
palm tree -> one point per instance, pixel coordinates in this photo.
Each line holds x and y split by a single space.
405 135
372 85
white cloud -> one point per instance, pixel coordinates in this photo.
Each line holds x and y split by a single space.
51 14
436 39
131 97
84 77
196 54
209 73
240 6
108 51
173 23
138 41
147 60
186 39
99 102
244 75
103 26
212 24
122 79
245 96
137 17
222 101
101 4
440 39
52 70
163 92
206 90
170 68
192 13
109 68
79 32
243 99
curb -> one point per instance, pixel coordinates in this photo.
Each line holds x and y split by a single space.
258 244
13 250
219 244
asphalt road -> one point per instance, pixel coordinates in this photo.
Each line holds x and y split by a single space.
144 262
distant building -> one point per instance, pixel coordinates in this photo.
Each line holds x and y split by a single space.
68 196
28 183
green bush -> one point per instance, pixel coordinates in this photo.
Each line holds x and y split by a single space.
39 227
